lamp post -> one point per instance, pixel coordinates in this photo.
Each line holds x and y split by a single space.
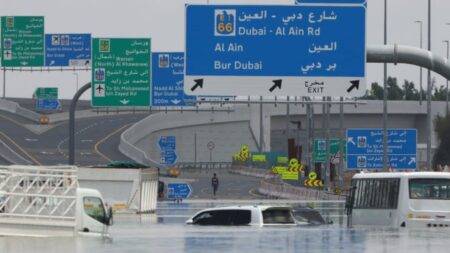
420 22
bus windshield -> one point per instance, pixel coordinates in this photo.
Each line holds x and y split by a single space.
429 188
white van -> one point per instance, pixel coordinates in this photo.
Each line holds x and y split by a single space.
257 215
400 199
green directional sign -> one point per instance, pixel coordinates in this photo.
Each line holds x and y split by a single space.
46 93
320 149
121 72
22 41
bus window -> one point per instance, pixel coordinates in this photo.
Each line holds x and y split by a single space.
376 193
429 188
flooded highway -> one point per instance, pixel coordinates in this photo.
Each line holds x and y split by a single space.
165 231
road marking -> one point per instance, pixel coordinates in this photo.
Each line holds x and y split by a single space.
87 140
106 138
31 140
21 149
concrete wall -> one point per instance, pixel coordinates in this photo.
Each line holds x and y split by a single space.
227 139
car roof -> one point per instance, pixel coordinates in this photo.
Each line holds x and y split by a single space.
245 207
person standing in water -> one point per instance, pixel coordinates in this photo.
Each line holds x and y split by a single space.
215 184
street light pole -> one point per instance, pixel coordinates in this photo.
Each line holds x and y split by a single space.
429 94
446 90
385 96
421 46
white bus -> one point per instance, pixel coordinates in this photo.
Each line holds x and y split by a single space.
400 199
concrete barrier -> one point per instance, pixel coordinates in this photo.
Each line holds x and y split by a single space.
13 107
11 156
278 189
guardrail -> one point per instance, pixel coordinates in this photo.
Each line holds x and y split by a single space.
203 165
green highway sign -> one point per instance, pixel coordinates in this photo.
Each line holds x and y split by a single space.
320 149
22 41
46 93
121 72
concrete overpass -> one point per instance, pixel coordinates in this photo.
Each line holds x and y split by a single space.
228 130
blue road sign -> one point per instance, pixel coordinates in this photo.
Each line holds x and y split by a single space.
68 50
168 75
167 145
48 104
330 1
365 148
291 50
178 191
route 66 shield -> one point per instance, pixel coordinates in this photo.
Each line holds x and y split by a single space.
225 22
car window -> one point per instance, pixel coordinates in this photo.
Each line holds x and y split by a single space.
277 216
223 217
94 208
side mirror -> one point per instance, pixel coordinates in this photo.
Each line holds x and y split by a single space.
110 220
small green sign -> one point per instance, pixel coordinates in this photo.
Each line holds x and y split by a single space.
320 149
121 72
22 41
282 160
46 93
260 158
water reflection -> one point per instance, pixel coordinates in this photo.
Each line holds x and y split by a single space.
165 231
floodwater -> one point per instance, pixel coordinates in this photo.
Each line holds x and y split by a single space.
165 231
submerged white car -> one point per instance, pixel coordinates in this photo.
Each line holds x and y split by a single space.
257 215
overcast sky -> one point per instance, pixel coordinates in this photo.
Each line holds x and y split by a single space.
163 21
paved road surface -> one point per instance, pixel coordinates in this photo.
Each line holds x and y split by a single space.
231 186
96 139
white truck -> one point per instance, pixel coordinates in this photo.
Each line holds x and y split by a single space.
46 201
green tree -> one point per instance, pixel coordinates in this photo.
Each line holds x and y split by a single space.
411 93
442 129
439 94
394 91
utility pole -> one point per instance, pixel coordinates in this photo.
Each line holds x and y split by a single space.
421 46
385 96
429 94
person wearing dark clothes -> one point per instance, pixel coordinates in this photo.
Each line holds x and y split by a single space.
215 184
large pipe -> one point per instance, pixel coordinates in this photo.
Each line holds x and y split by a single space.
408 55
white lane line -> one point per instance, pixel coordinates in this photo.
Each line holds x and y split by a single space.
31 140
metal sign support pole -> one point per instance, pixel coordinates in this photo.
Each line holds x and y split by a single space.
341 144
288 120
261 127
385 96
429 91
73 107
312 135
307 135
327 159
4 82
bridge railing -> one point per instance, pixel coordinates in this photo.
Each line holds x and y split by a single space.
203 165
